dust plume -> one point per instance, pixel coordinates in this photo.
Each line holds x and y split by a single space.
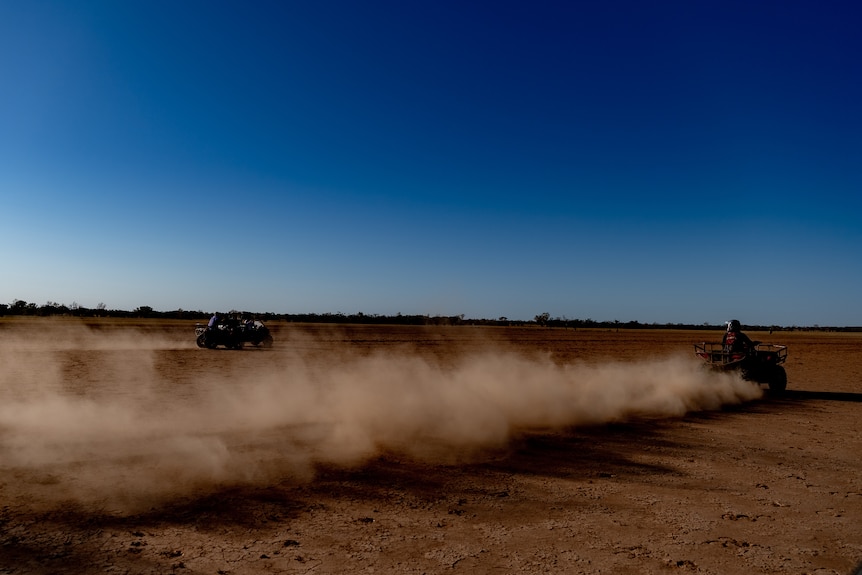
88 420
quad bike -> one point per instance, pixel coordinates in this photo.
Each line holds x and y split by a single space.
761 363
233 335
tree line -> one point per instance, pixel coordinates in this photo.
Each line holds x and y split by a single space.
22 308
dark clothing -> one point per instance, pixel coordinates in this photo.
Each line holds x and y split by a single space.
736 341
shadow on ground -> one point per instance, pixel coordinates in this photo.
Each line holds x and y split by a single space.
801 395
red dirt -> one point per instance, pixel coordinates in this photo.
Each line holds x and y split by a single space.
126 449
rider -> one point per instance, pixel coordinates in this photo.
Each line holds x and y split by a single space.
734 340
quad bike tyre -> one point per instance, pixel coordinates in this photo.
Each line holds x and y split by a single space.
778 379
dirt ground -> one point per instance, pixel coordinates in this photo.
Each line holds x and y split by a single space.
126 449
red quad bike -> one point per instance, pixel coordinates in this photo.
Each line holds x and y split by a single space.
761 364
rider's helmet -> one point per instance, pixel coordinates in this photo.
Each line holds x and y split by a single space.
733 325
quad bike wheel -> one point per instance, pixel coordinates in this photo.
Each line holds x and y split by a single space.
778 379
201 341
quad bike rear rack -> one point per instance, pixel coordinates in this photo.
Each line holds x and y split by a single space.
717 357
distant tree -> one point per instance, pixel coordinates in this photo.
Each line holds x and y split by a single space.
144 311
542 319
53 308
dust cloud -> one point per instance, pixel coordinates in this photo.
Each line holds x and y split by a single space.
95 419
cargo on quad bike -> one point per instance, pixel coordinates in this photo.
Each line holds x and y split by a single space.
761 363
233 334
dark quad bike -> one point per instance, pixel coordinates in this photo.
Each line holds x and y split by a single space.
233 335
761 364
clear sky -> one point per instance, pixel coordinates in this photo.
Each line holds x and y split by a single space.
681 161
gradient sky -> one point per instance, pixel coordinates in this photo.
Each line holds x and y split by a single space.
683 161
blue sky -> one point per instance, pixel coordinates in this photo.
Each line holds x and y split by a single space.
686 161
